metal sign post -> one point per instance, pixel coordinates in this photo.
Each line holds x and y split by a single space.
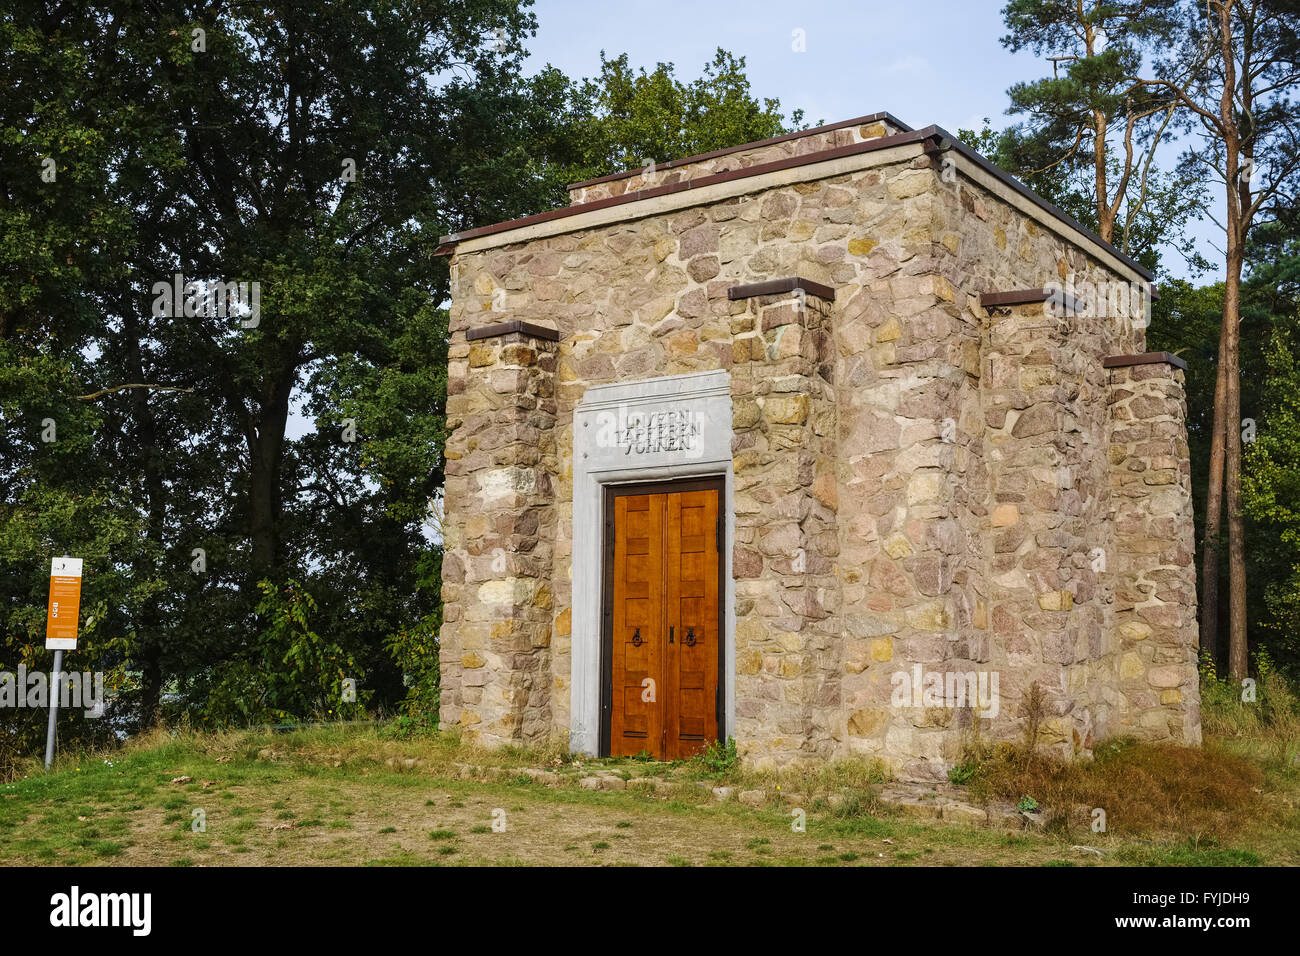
54 708
61 631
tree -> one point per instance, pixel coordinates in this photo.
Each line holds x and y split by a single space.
317 153
73 147
1243 57
628 118
1092 132
249 486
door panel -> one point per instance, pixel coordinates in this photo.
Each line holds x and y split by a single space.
665 641
637 722
691 678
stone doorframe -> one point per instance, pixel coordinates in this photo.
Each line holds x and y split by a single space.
655 429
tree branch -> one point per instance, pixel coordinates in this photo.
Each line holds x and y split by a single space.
118 388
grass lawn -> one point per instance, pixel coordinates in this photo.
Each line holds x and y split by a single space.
349 796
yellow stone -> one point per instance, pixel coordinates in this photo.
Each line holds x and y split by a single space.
480 355
897 545
874 131
1005 515
564 622
790 641
790 666
1136 631
889 331
1034 376
951 242
483 284
1171 696
468 717
786 409
862 246
1130 666
928 617
685 342
471 661
924 486
882 649
1056 601
970 357
867 722
999 237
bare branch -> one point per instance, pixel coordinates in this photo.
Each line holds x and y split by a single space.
118 388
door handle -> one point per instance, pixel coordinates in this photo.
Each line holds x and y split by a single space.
689 639
636 638
670 634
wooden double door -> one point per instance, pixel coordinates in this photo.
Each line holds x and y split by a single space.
663 627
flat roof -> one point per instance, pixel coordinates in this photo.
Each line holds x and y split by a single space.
935 138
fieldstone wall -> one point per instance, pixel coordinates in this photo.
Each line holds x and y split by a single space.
784 559
921 485
1154 627
499 538
1048 504
905 440
1039 488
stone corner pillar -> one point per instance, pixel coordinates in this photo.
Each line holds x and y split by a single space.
1153 634
499 530
786 544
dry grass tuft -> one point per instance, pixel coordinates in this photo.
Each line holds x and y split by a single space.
1144 789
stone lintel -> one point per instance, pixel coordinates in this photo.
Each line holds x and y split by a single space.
514 325
1144 358
778 286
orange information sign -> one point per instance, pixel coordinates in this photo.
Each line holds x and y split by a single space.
65 604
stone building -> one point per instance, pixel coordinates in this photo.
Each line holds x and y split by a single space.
838 443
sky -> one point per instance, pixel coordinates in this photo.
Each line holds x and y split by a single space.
934 62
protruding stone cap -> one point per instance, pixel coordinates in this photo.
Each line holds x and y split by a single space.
1144 358
778 286
1007 300
514 325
